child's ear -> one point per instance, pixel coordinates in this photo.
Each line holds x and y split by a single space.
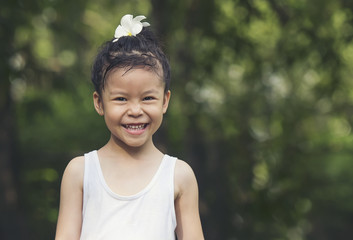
98 104
166 101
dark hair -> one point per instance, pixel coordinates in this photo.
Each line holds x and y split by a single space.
142 50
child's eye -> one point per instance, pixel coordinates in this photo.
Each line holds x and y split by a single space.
148 98
121 99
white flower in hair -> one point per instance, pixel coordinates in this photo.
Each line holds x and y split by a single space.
130 26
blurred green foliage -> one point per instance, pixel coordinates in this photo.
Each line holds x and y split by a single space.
262 105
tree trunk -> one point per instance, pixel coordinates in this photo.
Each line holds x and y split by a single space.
11 225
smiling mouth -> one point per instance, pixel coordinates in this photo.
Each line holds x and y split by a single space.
135 127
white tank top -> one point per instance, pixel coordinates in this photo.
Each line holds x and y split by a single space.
146 215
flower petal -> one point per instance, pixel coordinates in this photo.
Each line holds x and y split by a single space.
120 31
139 18
136 28
126 21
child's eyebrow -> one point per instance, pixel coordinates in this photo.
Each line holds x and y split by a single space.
151 91
117 93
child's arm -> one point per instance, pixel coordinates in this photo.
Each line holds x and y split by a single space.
187 203
70 212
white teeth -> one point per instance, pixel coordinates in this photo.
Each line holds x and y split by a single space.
135 127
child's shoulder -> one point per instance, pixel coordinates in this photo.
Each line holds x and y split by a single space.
76 164
183 169
75 169
184 177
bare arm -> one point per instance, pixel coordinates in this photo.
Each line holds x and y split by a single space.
187 203
70 212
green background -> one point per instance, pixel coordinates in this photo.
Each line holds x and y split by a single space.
261 108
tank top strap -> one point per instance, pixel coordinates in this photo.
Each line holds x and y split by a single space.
168 167
166 182
90 174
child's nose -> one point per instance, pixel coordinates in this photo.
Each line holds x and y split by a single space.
135 109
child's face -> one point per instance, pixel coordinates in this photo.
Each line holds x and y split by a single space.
133 104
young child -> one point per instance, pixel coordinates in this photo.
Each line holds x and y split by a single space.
128 189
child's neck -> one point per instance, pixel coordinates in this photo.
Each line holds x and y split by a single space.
124 151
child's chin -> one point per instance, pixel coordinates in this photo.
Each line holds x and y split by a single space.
136 143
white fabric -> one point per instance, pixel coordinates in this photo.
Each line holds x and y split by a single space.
147 215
